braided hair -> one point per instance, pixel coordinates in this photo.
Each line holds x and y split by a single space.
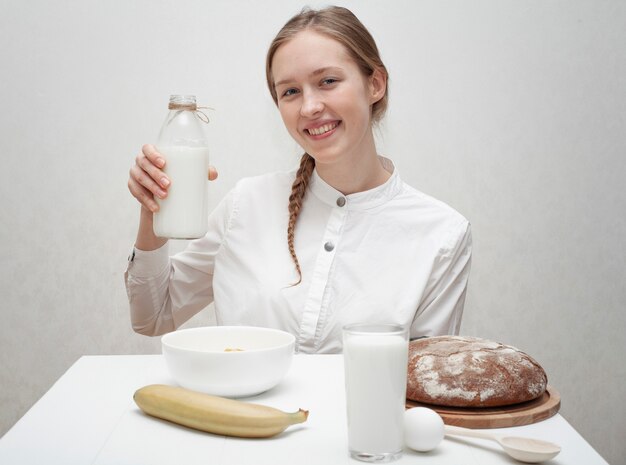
298 190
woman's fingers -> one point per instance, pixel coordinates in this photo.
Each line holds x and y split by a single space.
151 161
146 180
142 177
144 173
212 173
141 193
152 154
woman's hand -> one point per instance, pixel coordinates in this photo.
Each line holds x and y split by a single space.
147 179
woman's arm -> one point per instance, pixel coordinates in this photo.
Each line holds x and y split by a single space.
164 293
442 306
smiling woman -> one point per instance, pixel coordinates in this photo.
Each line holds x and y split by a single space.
362 246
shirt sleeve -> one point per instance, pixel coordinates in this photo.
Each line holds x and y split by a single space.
163 291
441 308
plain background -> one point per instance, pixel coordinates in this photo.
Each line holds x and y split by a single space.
513 112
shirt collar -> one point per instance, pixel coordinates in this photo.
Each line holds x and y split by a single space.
359 200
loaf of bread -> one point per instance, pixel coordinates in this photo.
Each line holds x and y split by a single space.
457 371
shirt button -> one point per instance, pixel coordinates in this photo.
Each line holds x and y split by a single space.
329 246
341 201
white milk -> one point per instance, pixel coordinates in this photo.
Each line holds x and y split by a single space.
376 371
183 213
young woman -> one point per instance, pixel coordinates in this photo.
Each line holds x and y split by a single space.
341 240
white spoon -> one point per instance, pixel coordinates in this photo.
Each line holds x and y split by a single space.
523 449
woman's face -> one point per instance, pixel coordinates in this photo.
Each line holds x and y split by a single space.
324 99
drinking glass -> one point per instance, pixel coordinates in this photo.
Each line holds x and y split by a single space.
375 363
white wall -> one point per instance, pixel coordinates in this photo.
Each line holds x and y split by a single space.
510 111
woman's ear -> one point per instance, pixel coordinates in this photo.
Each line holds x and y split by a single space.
377 85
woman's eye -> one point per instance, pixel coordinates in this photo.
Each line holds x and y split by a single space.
329 81
290 92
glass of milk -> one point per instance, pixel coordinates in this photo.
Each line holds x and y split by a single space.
375 362
183 214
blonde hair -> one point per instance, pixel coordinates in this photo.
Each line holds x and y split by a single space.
342 25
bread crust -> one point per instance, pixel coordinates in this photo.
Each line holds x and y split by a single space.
457 371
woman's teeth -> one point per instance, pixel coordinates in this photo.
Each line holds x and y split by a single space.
322 129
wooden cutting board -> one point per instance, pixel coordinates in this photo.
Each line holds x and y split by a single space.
499 417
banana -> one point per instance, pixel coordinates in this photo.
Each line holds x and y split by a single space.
214 414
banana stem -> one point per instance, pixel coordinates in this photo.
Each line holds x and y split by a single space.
298 417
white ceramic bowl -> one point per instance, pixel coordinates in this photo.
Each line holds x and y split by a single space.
203 359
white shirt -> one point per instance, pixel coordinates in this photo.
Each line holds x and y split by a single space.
387 255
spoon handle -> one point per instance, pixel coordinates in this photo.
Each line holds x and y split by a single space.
458 431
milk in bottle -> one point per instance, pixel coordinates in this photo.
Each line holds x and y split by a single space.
183 213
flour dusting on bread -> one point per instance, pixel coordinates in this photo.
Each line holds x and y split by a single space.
471 372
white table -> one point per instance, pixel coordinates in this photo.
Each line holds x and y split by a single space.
89 417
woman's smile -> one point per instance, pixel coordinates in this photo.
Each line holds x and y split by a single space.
321 131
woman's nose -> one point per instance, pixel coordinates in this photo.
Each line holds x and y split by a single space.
311 104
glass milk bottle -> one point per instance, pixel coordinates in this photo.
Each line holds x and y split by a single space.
183 213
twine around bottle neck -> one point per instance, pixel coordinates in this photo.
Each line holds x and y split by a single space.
191 107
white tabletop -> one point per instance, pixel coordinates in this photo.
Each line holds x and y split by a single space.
89 417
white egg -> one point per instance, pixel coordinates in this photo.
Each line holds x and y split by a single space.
423 429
